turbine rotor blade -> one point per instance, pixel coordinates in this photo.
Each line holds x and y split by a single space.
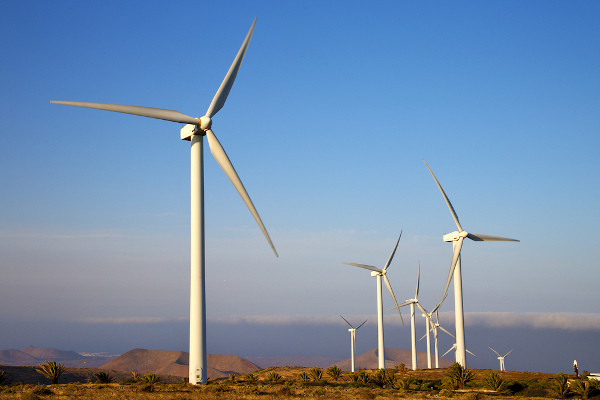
158 113
449 350
347 322
217 151
418 280
364 323
445 198
424 311
363 266
387 283
393 252
444 329
508 353
467 350
455 255
494 351
480 238
221 96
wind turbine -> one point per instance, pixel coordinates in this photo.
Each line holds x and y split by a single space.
434 328
194 131
501 358
378 273
352 331
457 238
412 303
454 347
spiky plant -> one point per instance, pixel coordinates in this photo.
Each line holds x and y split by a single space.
334 372
304 377
402 384
493 381
274 377
559 385
51 370
363 378
103 377
458 376
316 374
250 378
231 378
379 378
3 378
582 387
151 379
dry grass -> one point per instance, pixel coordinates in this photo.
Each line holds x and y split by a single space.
530 386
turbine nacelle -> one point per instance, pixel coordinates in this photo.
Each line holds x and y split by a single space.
196 129
455 236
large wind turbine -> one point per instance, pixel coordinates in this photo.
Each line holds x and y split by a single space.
457 238
194 131
501 358
352 331
378 273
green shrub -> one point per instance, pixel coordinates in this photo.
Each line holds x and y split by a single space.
250 378
51 370
274 377
493 381
402 384
582 387
42 390
316 374
151 379
334 372
559 385
457 376
304 377
103 377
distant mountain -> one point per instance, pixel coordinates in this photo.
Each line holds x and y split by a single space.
33 356
294 361
177 363
393 357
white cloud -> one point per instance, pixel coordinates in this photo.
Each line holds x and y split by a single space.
129 320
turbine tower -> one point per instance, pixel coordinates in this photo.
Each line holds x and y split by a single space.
379 273
434 328
352 331
194 131
457 238
412 303
501 358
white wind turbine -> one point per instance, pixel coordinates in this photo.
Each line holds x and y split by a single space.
457 238
454 347
194 131
434 328
412 303
352 331
501 358
378 273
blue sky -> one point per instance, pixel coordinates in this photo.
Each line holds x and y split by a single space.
333 108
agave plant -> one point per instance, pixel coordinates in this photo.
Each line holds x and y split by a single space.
493 381
250 378
316 374
458 376
151 378
559 385
103 377
334 372
363 378
51 370
274 377
582 387
304 377
402 384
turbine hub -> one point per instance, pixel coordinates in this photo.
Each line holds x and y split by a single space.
454 236
205 123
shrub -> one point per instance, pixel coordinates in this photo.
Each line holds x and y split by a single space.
103 377
363 378
582 387
250 378
493 381
457 376
402 384
379 378
3 378
51 370
151 379
231 378
274 377
41 390
559 385
304 377
316 374
334 372
401 367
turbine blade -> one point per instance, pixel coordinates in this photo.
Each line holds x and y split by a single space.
455 254
480 238
444 329
347 322
158 113
424 311
507 353
217 151
445 198
387 264
418 280
423 337
387 283
364 323
494 351
449 350
363 266
467 350
407 302
221 96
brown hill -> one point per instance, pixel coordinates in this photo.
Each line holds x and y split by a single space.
176 363
17 357
393 357
51 354
295 361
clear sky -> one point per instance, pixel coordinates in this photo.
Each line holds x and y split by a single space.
332 110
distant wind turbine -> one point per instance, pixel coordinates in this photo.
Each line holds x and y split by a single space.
457 238
194 131
434 327
501 358
454 346
352 331
379 273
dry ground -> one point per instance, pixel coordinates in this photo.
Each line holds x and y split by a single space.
529 386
